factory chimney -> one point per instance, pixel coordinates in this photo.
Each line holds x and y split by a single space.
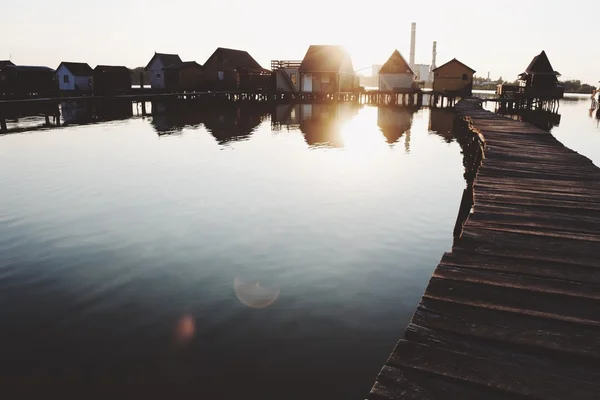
434 56
413 34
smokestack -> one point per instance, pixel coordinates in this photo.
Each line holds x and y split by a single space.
434 56
413 34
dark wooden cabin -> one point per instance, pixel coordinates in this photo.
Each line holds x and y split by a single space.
112 79
186 75
539 81
6 63
22 81
229 69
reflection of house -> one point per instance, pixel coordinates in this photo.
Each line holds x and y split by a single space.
441 122
186 75
108 110
394 122
155 68
25 80
321 123
396 74
453 77
540 79
75 112
171 117
231 122
327 69
286 114
229 69
287 75
75 76
111 79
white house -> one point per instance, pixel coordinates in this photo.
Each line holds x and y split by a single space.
75 76
156 65
396 74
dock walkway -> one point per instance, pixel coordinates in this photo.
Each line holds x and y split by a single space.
513 311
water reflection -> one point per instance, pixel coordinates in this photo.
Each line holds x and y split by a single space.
170 118
441 122
542 119
394 122
232 122
321 124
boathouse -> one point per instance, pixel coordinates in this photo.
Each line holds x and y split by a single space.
155 68
112 79
186 75
327 69
231 69
75 76
453 77
540 80
286 75
21 80
396 74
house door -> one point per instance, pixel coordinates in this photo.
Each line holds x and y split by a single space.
307 83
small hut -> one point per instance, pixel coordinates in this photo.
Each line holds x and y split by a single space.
396 74
112 79
155 68
327 69
24 80
453 77
186 75
230 69
540 80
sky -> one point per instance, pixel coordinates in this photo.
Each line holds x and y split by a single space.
496 37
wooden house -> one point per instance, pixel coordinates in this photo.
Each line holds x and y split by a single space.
230 69
453 77
327 69
6 63
112 79
21 80
540 80
286 75
186 75
75 76
396 75
155 68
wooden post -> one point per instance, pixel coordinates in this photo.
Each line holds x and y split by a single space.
144 109
3 127
141 79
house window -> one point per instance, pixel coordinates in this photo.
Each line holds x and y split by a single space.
221 75
465 77
293 78
66 79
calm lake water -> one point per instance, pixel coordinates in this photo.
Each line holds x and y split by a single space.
225 252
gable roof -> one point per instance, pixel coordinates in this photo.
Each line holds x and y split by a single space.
456 61
77 69
30 68
324 58
540 65
396 64
182 65
112 69
238 59
166 59
5 63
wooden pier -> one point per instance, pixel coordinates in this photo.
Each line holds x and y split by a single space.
513 311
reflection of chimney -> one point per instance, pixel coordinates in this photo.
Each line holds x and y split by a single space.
413 34
434 56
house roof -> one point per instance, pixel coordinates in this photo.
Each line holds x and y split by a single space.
456 61
239 59
77 69
324 58
28 68
396 64
182 65
166 59
112 69
5 63
540 65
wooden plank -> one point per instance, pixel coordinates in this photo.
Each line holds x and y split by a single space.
536 334
511 378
